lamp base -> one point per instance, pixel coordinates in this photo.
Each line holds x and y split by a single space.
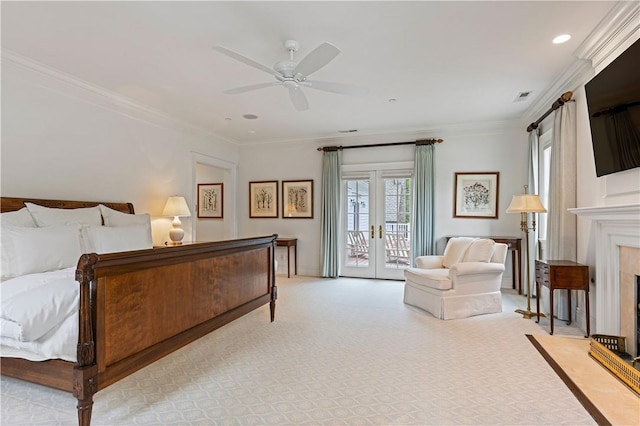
527 314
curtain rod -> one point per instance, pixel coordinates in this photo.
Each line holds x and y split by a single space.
566 97
373 145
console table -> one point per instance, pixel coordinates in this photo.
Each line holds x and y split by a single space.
288 243
514 245
562 275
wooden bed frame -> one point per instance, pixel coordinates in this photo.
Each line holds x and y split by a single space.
138 306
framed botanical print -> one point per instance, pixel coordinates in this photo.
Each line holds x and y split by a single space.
476 195
263 199
297 199
210 200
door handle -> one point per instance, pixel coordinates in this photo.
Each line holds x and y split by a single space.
380 231
373 232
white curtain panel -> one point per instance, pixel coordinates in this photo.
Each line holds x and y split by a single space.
532 182
561 227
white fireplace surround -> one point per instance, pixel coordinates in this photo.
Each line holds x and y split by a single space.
614 227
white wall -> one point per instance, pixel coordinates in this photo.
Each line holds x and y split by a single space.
620 188
62 139
500 147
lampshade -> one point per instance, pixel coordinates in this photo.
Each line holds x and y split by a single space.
526 203
176 206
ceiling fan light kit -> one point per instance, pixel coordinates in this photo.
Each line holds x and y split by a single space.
292 75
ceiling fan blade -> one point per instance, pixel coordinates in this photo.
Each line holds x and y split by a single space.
298 99
243 59
251 87
342 89
316 59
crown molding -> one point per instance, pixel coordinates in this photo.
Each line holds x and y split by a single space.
577 74
443 131
619 26
74 87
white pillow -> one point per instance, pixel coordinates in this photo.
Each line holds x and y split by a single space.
46 216
31 250
480 250
455 250
115 218
109 239
20 217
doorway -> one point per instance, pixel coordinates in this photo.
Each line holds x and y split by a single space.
208 169
376 217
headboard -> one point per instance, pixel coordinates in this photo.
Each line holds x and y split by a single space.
9 204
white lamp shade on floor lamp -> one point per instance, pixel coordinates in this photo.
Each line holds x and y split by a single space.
526 203
176 207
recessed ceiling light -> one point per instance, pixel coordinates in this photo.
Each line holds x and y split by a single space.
252 131
561 39
250 116
392 100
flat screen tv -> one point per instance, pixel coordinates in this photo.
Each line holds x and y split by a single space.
613 100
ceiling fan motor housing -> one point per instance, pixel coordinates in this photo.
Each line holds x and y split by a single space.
285 68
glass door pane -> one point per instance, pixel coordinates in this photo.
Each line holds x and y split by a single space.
356 242
396 212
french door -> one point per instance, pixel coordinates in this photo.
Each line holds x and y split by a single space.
376 217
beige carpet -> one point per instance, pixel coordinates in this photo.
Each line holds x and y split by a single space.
607 399
341 352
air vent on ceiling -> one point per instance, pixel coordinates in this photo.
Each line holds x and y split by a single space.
522 96
348 131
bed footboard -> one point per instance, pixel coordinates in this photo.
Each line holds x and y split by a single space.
137 307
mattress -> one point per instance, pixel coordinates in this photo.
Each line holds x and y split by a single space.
39 316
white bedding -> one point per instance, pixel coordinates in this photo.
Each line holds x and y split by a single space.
39 316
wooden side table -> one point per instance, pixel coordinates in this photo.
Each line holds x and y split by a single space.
514 245
562 275
288 243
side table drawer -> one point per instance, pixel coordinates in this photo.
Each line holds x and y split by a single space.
542 273
571 278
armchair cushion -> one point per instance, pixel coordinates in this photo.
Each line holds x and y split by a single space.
479 250
455 250
433 278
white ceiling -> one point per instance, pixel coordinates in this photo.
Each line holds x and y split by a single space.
445 62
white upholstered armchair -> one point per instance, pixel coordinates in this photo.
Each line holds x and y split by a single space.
463 282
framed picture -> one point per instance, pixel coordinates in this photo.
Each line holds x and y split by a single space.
297 199
210 200
476 195
263 199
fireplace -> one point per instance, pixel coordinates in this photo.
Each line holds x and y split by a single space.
615 237
637 315
629 271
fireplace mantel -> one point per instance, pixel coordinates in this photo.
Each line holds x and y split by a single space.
612 227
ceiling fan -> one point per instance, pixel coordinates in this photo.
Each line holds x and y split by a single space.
293 75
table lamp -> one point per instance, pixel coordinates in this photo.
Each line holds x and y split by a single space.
523 204
176 207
